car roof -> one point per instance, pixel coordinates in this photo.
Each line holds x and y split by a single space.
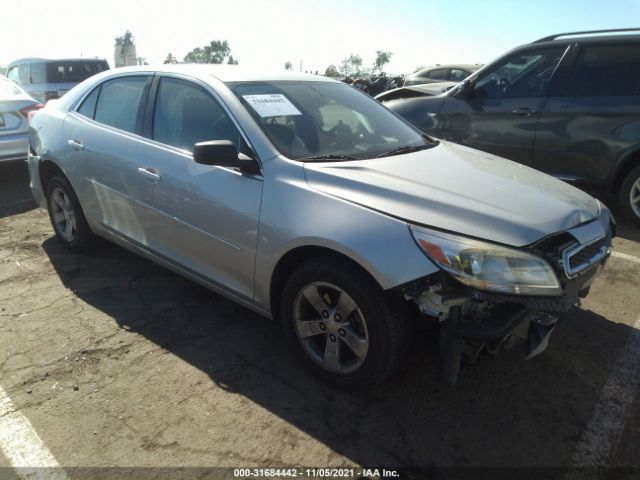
466 66
227 73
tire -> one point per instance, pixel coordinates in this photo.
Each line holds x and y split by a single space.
631 191
66 215
371 341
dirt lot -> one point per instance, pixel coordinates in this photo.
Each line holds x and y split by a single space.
118 362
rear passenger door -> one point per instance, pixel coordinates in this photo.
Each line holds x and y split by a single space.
103 136
203 218
592 116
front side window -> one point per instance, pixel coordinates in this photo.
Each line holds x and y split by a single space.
318 120
603 70
186 114
525 74
457 75
119 102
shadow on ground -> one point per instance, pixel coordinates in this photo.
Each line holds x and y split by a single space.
505 412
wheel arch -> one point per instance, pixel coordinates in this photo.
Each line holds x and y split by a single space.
47 169
295 257
630 161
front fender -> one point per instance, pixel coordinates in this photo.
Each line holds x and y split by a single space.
294 215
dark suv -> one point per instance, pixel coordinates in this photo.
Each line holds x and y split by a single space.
568 105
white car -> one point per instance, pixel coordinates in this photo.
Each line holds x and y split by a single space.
15 105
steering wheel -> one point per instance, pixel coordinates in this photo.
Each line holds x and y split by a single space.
504 85
341 135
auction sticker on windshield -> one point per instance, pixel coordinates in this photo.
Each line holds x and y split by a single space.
271 105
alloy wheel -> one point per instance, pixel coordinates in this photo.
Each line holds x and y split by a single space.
330 327
63 214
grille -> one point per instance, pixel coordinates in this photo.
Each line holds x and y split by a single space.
580 257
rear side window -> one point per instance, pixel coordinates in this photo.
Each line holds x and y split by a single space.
119 102
440 74
604 70
186 114
88 107
65 71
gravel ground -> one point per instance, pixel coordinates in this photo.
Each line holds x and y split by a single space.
118 362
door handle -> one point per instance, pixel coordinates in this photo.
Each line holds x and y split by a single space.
525 111
150 174
75 144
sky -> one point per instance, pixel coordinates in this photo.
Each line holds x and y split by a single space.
314 34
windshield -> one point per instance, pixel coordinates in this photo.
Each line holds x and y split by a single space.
324 121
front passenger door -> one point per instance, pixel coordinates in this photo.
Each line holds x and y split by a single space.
500 113
203 218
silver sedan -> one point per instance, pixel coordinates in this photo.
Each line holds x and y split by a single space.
309 202
15 105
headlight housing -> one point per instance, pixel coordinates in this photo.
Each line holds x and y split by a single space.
486 266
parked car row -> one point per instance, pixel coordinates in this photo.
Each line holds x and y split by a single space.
568 105
311 203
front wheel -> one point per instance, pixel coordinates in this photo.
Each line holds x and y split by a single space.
348 331
630 195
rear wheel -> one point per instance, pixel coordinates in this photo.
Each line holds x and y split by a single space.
348 331
66 215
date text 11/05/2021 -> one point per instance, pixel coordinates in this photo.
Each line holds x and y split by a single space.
301 472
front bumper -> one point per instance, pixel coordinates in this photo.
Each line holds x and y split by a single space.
472 321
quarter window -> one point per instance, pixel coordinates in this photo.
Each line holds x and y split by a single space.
186 114
119 102
88 107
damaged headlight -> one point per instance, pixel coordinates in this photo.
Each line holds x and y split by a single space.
486 266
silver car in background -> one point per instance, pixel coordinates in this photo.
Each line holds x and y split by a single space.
309 202
15 105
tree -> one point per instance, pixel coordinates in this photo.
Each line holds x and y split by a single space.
382 58
351 65
288 66
170 59
216 52
331 71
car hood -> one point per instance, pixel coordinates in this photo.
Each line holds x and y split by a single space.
461 190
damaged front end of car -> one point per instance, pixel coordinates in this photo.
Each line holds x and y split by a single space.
487 297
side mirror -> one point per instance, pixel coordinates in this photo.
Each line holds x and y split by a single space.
223 153
465 89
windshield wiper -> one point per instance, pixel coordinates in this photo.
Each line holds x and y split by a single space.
329 157
405 149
